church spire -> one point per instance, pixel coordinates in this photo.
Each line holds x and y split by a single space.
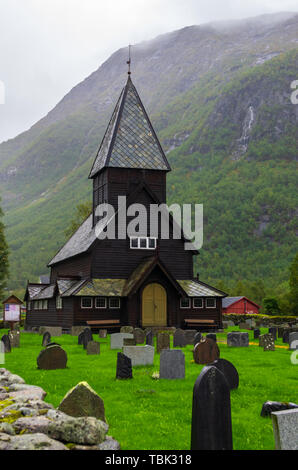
129 60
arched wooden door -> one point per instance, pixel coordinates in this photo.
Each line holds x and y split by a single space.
154 306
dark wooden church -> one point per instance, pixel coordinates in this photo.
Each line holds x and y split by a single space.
138 281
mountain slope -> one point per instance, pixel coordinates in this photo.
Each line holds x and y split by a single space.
219 98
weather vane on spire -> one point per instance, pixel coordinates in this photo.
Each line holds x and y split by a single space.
129 59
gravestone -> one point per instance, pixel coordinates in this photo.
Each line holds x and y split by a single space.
127 329
76 330
46 339
225 325
285 429
52 358
206 351
237 339
268 342
190 336
273 331
270 406
244 326
293 341
124 367
140 355
139 336
149 338
162 341
129 342
286 334
14 337
80 338
93 348
211 336
82 401
229 371
53 330
172 364
280 331
179 340
198 337
117 339
52 344
257 333
6 341
87 337
211 412
103 333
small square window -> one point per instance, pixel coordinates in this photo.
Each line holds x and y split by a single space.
143 243
100 302
210 303
114 302
134 243
58 303
185 303
45 305
152 243
198 302
86 302
35 304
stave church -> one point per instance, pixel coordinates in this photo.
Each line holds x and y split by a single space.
141 281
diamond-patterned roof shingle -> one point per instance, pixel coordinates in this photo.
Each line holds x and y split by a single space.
130 140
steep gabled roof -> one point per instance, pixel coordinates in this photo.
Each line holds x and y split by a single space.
130 140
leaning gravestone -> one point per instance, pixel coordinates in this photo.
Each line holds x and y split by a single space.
211 412
190 336
139 336
103 333
46 339
206 351
179 340
237 339
172 364
14 337
229 371
52 358
93 348
117 339
140 355
162 341
285 429
6 341
124 367
149 338
82 401
293 341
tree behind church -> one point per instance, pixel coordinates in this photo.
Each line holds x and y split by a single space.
83 211
3 258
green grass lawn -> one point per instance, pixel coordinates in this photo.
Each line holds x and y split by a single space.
156 414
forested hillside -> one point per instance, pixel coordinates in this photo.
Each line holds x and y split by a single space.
219 98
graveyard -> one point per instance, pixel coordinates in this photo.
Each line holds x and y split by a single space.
151 413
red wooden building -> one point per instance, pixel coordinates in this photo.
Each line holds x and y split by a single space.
139 281
239 305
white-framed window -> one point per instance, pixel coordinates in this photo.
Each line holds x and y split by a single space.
185 302
100 302
210 302
45 305
143 243
40 305
114 302
198 302
59 304
35 304
86 302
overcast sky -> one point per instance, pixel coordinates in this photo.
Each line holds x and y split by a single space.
48 46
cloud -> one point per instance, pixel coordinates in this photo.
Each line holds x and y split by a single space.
48 46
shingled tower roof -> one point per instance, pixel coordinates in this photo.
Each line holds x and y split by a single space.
130 140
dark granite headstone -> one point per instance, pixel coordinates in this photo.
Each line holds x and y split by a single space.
238 339
197 338
286 334
124 368
206 351
87 337
211 336
6 341
139 336
268 342
280 331
273 331
162 341
211 412
271 406
257 333
172 364
46 339
179 340
229 371
52 358
149 338
80 338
